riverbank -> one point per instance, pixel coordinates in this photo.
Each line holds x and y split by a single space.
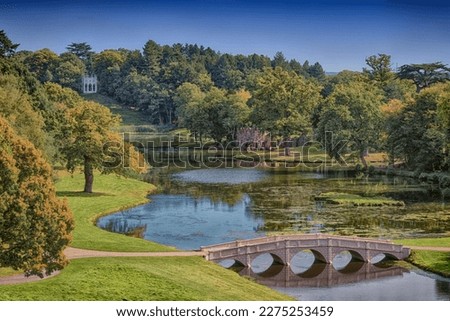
432 259
129 278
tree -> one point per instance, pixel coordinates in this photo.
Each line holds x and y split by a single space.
43 63
81 49
35 225
7 47
16 108
282 103
420 134
379 68
351 114
280 61
107 67
424 75
192 112
69 71
87 132
152 57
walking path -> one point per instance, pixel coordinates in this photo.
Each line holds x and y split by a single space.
73 253
430 248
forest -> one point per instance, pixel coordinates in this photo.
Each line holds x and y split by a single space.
222 97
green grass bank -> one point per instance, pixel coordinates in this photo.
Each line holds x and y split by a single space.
128 278
112 193
142 279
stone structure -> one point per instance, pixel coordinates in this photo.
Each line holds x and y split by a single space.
283 248
89 84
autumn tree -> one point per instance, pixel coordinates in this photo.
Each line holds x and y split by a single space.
35 225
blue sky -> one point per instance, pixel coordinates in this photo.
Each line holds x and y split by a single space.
339 34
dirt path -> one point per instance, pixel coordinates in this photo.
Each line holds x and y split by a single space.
73 253
429 248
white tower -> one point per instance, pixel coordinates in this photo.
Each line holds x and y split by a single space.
89 84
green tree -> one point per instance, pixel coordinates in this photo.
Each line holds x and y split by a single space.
80 49
420 135
16 107
379 68
69 71
424 75
88 130
35 225
152 57
7 47
107 67
283 102
43 63
192 111
351 114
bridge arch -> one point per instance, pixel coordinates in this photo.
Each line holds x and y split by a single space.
232 264
387 257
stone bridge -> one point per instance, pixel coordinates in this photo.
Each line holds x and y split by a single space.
324 247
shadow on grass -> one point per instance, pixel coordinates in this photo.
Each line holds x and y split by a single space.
81 194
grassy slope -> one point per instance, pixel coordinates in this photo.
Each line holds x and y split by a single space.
129 116
139 279
111 193
433 261
437 262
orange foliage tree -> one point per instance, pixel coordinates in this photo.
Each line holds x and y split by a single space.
35 226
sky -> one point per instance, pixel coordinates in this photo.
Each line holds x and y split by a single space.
338 34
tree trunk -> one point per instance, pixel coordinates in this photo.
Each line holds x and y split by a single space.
362 156
88 175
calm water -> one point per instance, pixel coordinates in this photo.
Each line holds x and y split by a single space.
209 206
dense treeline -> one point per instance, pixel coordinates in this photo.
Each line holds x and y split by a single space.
214 95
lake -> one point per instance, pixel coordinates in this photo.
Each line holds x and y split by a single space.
210 206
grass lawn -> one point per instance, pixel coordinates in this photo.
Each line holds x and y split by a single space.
142 279
436 242
437 262
129 116
111 193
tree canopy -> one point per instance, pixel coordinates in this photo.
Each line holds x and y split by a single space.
424 75
35 225
7 47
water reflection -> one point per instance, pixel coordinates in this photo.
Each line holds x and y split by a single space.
321 275
187 222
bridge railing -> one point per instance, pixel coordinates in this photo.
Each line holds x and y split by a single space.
292 237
